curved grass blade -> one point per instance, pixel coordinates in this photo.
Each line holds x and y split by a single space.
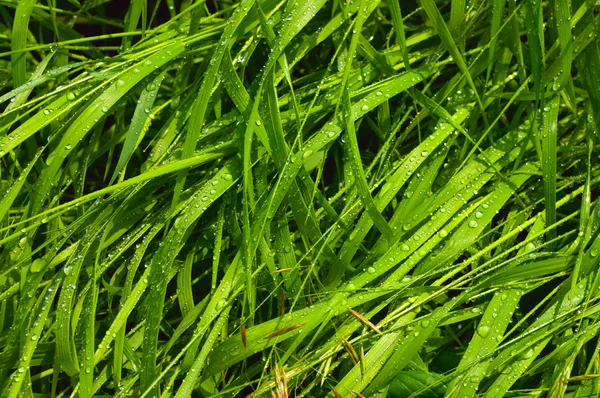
19 40
361 181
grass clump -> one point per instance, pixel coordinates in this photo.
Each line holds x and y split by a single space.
299 198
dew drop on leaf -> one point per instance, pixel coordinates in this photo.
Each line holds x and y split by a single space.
483 330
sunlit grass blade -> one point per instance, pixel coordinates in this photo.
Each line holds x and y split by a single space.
299 198
18 42
138 124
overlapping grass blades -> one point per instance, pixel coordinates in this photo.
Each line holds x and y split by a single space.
299 198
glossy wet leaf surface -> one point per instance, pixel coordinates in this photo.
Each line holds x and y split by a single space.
299 198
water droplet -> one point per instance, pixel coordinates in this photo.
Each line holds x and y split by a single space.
71 96
478 214
473 224
120 83
47 112
405 248
424 153
593 252
371 270
258 122
483 331
307 153
365 108
228 177
443 233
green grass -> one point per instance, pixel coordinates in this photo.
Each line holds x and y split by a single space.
299 198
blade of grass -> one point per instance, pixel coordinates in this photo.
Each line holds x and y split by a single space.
549 142
442 29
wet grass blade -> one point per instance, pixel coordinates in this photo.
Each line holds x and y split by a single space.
20 29
141 116
357 168
549 142
313 203
446 36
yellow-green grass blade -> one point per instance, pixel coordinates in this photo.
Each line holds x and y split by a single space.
95 111
394 184
399 30
138 124
18 42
